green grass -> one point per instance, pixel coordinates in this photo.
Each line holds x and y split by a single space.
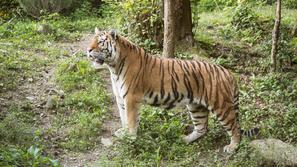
267 99
77 117
85 104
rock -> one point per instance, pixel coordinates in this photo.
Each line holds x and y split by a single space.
107 142
61 94
44 29
31 98
30 79
51 103
276 151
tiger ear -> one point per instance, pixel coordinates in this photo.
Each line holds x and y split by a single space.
113 34
97 31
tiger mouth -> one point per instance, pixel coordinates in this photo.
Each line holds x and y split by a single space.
100 61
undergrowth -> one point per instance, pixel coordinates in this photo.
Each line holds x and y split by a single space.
267 100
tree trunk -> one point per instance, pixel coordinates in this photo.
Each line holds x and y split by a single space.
169 29
177 26
184 22
294 32
275 34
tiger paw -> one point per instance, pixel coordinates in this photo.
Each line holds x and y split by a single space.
124 133
120 133
193 136
230 148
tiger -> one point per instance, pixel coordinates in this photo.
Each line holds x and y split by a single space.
140 78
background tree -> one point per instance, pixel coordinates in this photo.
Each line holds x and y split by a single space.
169 29
275 34
184 24
177 26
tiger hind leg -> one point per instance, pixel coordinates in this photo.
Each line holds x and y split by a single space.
229 120
199 116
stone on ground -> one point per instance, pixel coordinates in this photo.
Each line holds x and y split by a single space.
107 142
276 151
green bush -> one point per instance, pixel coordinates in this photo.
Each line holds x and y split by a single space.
36 8
291 4
33 156
210 5
144 19
7 7
244 17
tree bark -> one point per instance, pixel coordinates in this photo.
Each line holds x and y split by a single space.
275 35
177 26
184 22
169 29
294 31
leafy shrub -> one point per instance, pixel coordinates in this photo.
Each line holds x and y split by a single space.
210 5
36 8
144 19
292 4
7 7
85 10
33 156
244 17
159 138
15 130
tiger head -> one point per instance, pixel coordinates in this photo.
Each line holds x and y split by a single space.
102 48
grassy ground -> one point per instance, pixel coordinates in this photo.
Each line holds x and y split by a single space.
55 108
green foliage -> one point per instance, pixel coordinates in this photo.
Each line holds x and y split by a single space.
244 17
87 101
159 139
85 10
7 8
37 8
142 19
83 131
271 100
33 156
210 5
15 128
267 100
291 4
17 137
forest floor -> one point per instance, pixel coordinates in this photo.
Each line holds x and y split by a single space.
55 106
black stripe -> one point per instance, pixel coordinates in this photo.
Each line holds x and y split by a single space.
181 98
122 63
200 117
173 71
162 92
228 122
151 94
167 99
231 127
189 88
193 64
155 100
203 88
174 88
154 63
225 115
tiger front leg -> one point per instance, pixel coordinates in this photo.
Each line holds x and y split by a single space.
131 117
199 116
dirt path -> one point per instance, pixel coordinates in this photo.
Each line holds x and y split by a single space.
75 159
37 91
